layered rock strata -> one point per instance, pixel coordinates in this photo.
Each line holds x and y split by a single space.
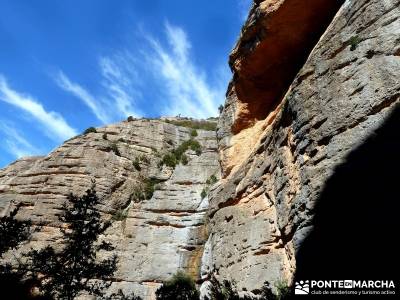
281 138
155 237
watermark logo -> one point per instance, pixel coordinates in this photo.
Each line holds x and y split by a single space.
345 287
302 287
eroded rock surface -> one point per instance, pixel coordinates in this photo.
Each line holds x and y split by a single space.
159 235
276 158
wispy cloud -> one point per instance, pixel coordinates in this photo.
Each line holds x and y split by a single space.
118 74
127 75
15 143
78 91
189 91
53 124
116 99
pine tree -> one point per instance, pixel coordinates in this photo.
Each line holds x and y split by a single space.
66 273
13 232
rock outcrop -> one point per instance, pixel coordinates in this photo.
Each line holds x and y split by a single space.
154 237
310 86
302 97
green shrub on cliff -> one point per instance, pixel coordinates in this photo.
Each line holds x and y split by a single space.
180 287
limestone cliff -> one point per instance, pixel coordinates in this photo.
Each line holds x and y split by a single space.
157 236
309 86
313 82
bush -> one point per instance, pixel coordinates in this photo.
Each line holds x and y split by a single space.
136 164
203 193
189 144
283 290
120 215
130 119
114 148
353 42
169 160
150 185
194 124
89 130
193 133
220 108
213 179
104 136
226 291
184 159
144 191
144 158
179 287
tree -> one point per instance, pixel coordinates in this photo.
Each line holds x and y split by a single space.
13 281
66 273
179 287
13 231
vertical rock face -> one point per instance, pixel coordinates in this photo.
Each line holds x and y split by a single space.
153 237
287 126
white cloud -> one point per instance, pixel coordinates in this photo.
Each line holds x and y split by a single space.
126 75
75 89
53 123
117 94
15 143
189 91
118 73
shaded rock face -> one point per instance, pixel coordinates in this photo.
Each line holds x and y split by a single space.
159 235
281 142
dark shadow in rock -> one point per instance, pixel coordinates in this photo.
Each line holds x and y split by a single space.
357 218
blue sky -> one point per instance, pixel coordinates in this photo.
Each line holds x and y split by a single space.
68 65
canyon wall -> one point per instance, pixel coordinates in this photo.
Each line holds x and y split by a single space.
310 85
159 235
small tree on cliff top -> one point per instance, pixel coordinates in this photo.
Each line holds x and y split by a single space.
64 274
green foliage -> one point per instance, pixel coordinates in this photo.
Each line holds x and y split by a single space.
143 158
120 215
130 119
113 147
64 274
184 159
13 281
213 179
193 133
171 159
195 124
179 287
204 193
283 290
225 291
89 130
145 190
13 231
220 108
228 291
353 42
136 164
150 185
